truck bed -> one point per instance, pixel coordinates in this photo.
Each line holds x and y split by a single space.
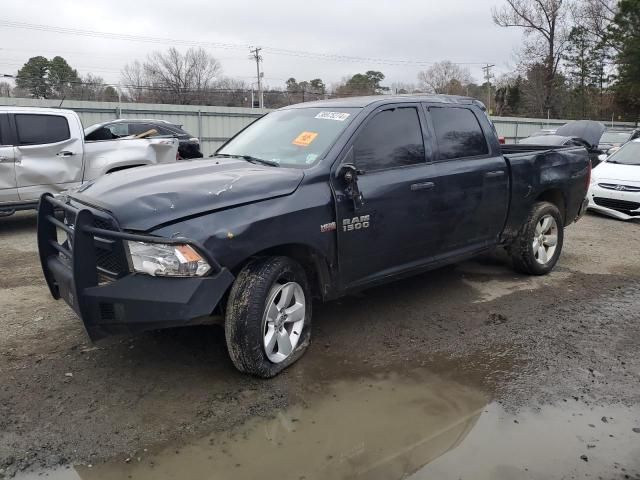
556 170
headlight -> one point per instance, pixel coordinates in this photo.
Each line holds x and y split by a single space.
163 260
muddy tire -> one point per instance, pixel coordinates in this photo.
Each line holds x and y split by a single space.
268 316
539 243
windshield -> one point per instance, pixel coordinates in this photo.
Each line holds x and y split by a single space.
629 154
615 137
297 137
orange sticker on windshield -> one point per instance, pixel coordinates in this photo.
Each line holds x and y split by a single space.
305 139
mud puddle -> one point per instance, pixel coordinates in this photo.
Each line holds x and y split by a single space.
413 424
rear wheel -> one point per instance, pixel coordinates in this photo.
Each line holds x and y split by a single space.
539 243
268 317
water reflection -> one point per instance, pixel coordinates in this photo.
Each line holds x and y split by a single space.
385 427
411 425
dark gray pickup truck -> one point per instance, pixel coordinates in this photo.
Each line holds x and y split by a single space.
311 201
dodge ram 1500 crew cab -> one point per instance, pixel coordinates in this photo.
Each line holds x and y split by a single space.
311 201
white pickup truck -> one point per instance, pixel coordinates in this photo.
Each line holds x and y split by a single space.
44 150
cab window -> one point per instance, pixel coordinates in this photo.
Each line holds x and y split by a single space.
458 133
34 129
392 138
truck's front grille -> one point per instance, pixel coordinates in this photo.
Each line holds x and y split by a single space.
111 260
623 206
112 263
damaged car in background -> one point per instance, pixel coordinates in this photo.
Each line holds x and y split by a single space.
188 148
44 150
581 133
312 201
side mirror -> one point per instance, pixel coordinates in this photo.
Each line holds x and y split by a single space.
349 174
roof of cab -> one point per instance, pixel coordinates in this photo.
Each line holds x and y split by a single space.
16 109
362 102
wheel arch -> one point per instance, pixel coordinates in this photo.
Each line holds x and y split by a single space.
314 263
556 197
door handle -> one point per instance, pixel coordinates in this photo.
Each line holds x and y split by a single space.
422 186
65 153
495 173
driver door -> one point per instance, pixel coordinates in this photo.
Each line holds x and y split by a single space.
388 232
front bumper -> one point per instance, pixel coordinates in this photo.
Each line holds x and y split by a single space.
618 204
90 273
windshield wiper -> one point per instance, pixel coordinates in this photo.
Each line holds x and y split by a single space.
251 159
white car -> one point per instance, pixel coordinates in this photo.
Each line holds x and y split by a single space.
615 184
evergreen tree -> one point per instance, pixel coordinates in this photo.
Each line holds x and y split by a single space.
32 77
624 33
61 77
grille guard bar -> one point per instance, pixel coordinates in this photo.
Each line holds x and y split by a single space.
80 267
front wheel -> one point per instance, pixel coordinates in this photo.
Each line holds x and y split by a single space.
268 317
539 243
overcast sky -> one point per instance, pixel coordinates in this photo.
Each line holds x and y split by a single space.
417 30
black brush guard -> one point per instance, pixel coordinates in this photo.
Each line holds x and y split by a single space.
105 294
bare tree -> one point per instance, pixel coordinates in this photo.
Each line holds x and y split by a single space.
596 16
445 77
90 87
5 89
230 92
546 24
134 81
172 77
186 77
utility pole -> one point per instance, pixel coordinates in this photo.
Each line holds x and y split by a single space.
487 75
255 54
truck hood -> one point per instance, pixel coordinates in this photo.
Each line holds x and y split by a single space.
145 197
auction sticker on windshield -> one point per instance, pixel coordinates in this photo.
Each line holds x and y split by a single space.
339 116
305 139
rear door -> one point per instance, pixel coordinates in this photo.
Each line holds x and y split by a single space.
49 153
8 184
472 187
387 233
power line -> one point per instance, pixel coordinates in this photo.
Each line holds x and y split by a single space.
271 50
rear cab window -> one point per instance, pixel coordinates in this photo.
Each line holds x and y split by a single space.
37 129
458 133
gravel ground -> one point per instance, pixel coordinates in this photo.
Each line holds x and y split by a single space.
570 338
